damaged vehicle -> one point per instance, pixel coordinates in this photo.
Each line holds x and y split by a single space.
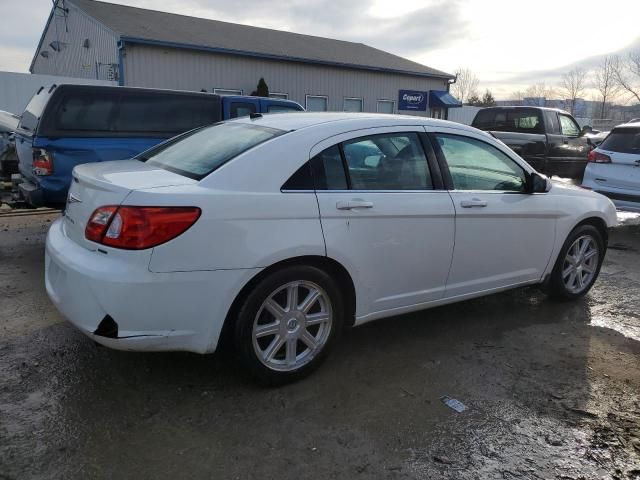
8 158
276 232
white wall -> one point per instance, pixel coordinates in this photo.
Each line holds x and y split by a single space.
464 114
16 89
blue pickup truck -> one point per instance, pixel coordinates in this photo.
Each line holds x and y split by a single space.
64 126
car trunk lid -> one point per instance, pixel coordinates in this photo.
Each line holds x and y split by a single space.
109 183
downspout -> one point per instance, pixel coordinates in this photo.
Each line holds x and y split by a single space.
121 53
449 83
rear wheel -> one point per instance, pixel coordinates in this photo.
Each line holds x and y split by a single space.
578 264
288 323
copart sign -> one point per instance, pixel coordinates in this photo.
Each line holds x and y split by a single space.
412 100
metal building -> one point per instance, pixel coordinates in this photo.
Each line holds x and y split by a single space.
146 48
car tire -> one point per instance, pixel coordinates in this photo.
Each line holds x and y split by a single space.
578 264
288 323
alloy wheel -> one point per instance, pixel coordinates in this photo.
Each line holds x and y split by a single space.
292 326
580 264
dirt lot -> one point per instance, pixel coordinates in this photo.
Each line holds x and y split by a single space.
552 391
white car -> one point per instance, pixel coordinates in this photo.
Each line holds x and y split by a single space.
614 167
275 232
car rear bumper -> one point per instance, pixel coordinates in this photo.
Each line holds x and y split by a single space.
153 311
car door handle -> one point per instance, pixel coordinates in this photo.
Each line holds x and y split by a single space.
353 204
473 203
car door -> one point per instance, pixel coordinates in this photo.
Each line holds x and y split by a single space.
568 151
504 236
385 216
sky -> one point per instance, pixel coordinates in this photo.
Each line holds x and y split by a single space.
509 44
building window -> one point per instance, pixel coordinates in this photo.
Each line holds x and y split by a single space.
352 104
317 103
283 96
385 106
227 91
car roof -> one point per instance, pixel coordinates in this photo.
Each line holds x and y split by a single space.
550 109
628 125
298 121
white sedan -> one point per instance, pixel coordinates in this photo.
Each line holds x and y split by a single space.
614 167
276 232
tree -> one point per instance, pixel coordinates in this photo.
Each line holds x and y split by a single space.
474 100
466 85
518 95
487 99
605 83
627 74
540 91
262 89
573 85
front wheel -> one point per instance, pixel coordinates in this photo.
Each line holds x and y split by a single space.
578 264
288 323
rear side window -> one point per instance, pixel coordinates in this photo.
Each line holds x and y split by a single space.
198 153
484 119
623 140
552 122
163 113
82 113
328 170
111 112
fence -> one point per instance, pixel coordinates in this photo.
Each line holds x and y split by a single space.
464 114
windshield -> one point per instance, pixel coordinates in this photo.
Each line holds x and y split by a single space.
198 153
623 140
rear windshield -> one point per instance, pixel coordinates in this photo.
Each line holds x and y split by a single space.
522 120
623 140
196 154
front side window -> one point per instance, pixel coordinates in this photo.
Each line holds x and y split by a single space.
239 109
198 153
568 126
394 161
317 103
476 165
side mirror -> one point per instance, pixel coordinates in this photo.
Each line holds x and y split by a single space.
538 183
586 129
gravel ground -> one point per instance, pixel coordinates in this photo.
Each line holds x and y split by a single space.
551 390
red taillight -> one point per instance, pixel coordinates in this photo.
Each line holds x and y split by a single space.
42 163
597 157
137 228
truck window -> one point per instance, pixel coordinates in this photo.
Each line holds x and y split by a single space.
281 109
241 109
164 113
86 112
552 122
568 125
525 120
484 119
